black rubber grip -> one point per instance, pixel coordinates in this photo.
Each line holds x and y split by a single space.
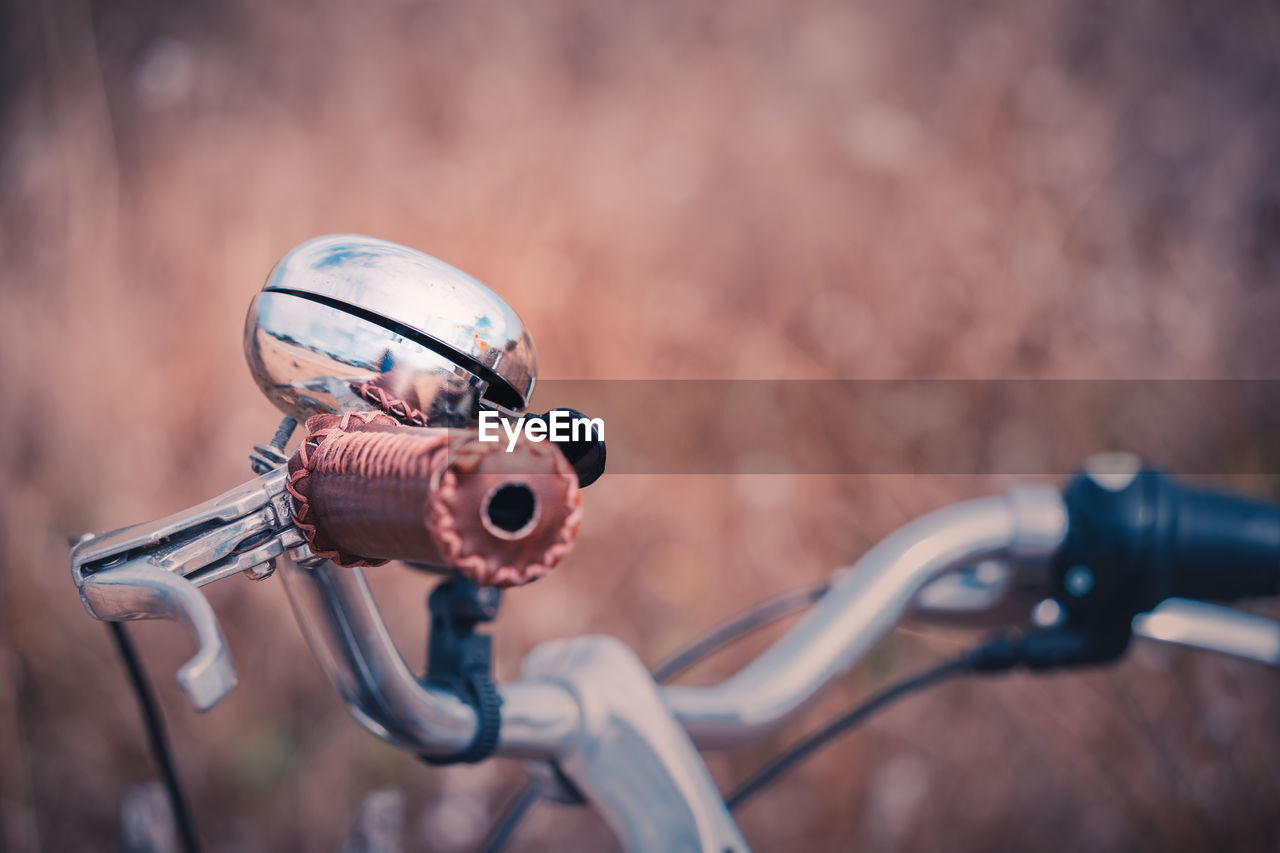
1220 545
1134 542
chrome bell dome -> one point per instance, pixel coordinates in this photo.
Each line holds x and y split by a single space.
342 310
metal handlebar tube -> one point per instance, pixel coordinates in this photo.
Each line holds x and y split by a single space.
586 703
340 620
1023 528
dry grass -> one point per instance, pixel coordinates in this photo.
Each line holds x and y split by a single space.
741 190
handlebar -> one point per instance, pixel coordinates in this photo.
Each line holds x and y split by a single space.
367 489
1118 542
361 489
1139 537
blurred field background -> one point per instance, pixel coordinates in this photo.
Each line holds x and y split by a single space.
754 189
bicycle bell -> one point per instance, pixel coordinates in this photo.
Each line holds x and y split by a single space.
346 321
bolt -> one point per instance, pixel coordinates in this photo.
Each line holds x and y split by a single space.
1113 471
263 571
1047 614
1078 581
284 432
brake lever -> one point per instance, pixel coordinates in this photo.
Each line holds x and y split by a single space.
986 595
1212 627
154 570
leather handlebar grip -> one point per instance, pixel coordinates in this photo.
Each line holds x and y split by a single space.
367 489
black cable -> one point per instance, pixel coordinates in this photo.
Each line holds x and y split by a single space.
505 826
156 737
971 661
757 617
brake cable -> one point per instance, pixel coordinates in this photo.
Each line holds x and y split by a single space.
1037 651
157 739
770 773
